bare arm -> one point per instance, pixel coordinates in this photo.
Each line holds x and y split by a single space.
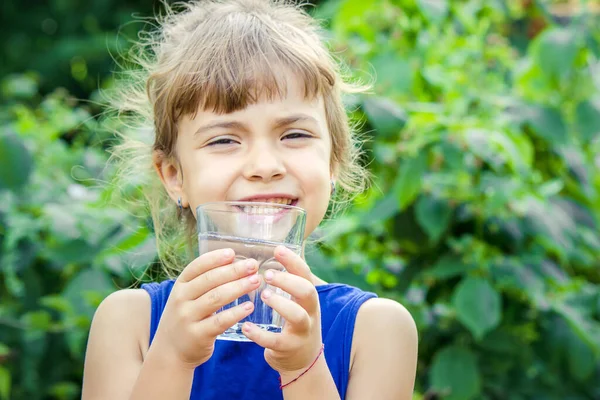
114 365
385 362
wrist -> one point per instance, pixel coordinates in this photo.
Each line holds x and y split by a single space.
168 359
289 377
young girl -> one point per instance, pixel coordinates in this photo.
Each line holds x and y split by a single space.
245 104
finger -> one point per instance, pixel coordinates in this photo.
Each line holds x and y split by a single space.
268 340
206 262
222 295
220 276
303 291
292 262
220 322
291 311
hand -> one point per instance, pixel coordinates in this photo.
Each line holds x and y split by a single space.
295 348
188 328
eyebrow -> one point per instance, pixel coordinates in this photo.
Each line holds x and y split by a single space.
280 122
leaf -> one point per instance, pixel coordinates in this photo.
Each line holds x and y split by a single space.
434 10
5 383
409 180
4 350
15 162
575 161
38 320
433 214
496 148
385 115
351 18
455 374
447 267
478 305
556 51
547 123
588 119
19 86
86 281
580 357
321 265
383 209
394 73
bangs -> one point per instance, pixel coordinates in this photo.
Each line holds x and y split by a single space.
249 63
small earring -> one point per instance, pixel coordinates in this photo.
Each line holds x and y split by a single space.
179 204
332 187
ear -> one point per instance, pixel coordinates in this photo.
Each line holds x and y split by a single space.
170 175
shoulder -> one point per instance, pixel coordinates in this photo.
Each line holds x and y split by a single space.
124 303
384 322
125 308
380 311
385 339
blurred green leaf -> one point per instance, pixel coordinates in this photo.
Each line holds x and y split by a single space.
434 10
547 123
19 86
351 18
588 119
448 266
64 390
454 373
4 350
16 162
5 383
409 180
556 51
383 209
581 358
86 281
394 73
433 214
385 115
478 305
495 148
38 320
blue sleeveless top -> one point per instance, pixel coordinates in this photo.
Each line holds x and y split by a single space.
238 370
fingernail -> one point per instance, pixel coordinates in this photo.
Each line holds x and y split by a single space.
227 253
246 327
269 275
281 251
250 265
267 293
247 306
253 279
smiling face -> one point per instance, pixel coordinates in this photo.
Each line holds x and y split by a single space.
270 151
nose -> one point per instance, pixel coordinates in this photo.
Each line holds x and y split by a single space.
264 163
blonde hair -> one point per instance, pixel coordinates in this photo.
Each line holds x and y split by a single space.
221 56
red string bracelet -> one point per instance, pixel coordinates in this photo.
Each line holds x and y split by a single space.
307 369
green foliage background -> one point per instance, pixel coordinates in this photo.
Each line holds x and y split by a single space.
483 218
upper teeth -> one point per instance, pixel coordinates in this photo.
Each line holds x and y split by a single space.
266 209
277 200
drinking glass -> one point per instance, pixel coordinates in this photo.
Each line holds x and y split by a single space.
252 230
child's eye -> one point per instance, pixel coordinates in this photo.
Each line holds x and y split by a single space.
221 141
297 135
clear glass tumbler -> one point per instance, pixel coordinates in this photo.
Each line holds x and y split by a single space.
252 230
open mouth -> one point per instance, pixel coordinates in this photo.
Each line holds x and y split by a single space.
272 206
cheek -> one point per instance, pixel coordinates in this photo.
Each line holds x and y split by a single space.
317 189
205 180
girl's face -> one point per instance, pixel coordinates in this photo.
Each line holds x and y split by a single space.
266 152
